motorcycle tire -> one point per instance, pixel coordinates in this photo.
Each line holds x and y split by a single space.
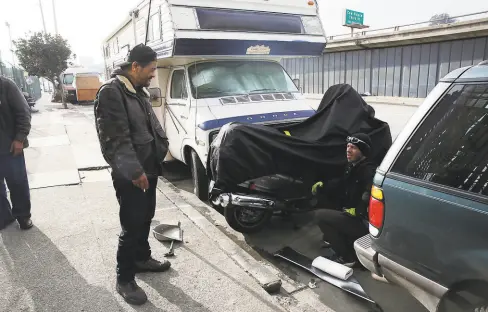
234 215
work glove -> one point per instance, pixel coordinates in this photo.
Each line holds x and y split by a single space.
350 211
316 186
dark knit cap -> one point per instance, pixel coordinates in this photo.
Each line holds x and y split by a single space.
362 141
141 54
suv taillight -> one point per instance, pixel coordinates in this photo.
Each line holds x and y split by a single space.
376 210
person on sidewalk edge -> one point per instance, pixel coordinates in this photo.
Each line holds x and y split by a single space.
348 219
15 126
134 144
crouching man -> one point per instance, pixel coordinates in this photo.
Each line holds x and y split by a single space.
348 220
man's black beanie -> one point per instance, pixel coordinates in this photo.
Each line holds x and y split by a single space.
365 147
141 54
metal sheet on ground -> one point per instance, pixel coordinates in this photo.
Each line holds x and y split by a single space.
351 285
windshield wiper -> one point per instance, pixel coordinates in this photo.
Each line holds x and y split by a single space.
261 90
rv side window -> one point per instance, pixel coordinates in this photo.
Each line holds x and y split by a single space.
178 85
154 27
451 146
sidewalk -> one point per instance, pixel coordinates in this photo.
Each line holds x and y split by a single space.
67 261
62 143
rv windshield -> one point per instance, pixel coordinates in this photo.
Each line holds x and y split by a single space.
224 78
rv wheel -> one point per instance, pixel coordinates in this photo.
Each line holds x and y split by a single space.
200 180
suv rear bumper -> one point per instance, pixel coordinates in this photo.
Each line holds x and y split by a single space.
367 255
426 291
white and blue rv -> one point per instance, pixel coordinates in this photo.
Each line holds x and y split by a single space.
219 62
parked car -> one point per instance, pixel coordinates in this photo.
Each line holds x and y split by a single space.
428 214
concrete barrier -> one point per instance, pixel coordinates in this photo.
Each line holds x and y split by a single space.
387 100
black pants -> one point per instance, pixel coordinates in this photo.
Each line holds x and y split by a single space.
13 171
341 230
136 213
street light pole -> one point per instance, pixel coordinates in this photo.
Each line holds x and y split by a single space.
11 42
42 15
55 19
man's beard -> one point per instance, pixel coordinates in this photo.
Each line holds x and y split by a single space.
147 83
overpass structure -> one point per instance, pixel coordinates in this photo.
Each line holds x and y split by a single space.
402 61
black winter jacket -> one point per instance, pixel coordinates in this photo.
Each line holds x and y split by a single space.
353 189
131 138
15 116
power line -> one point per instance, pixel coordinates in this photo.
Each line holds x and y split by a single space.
42 15
55 19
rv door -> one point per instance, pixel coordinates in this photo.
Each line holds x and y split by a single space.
177 112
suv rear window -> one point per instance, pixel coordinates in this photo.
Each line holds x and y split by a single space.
451 146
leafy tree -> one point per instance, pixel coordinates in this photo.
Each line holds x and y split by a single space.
44 55
440 19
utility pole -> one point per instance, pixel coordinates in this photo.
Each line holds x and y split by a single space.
11 43
55 19
42 15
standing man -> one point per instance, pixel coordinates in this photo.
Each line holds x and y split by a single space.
347 221
134 144
15 125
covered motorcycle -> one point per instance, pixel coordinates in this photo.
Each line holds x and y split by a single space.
293 157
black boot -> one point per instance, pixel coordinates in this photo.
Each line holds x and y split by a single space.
152 265
25 223
132 293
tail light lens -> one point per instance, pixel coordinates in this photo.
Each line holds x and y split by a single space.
376 210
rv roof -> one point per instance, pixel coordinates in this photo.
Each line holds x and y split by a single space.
293 6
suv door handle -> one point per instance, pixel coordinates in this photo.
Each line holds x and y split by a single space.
183 117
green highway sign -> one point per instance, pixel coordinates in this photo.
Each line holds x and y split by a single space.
353 17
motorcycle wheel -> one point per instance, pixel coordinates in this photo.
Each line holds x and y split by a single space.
246 220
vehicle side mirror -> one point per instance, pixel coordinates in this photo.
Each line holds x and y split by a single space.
156 97
296 81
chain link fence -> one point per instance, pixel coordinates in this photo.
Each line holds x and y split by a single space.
29 84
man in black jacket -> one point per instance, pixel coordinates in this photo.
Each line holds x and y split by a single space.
134 145
15 125
347 221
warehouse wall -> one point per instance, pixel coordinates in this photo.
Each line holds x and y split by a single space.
406 71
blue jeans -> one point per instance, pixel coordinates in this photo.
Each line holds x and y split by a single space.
14 172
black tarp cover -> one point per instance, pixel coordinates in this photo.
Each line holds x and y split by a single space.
315 148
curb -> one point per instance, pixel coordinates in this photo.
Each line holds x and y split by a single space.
268 281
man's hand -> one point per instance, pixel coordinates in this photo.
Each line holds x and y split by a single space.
316 186
141 182
16 148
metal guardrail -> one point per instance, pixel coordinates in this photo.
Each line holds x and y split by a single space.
390 30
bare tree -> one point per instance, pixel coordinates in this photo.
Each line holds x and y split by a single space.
440 19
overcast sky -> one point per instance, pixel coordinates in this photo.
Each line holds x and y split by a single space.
86 23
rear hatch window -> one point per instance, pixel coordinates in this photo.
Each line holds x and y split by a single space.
451 146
